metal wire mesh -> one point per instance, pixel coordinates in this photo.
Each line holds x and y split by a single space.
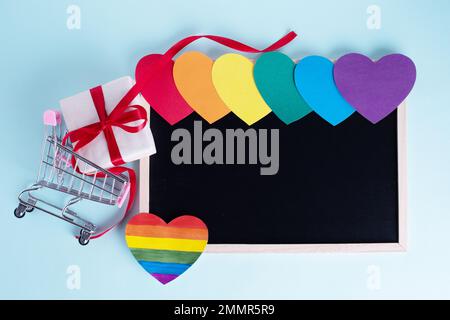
64 170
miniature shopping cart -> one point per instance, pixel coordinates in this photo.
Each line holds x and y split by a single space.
63 170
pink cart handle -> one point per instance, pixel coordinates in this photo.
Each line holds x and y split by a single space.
52 118
123 195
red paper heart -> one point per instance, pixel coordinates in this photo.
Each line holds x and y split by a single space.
159 89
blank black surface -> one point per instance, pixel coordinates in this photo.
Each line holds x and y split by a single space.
334 184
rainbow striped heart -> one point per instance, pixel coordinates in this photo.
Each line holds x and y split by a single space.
166 250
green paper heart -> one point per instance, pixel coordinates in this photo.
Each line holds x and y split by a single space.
274 77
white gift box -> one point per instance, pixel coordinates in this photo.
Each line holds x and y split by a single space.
79 111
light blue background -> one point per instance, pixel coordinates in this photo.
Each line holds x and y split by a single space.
42 61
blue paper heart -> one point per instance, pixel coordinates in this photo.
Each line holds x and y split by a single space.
315 81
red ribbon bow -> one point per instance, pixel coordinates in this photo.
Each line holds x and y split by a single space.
119 117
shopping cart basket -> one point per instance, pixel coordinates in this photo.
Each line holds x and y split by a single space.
65 171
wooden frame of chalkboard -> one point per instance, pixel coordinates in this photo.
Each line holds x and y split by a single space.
398 246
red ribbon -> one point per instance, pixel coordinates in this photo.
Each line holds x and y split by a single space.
123 113
132 176
233 44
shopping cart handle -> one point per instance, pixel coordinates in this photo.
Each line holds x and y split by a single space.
123 194
52 118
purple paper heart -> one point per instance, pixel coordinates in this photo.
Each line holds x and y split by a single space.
374 89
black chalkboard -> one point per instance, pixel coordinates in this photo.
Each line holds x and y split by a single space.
334 184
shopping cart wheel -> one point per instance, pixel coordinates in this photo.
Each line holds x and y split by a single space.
29 209
20 211
84 237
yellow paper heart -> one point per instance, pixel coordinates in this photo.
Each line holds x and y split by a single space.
232 75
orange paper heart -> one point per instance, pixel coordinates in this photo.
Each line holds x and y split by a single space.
192 75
